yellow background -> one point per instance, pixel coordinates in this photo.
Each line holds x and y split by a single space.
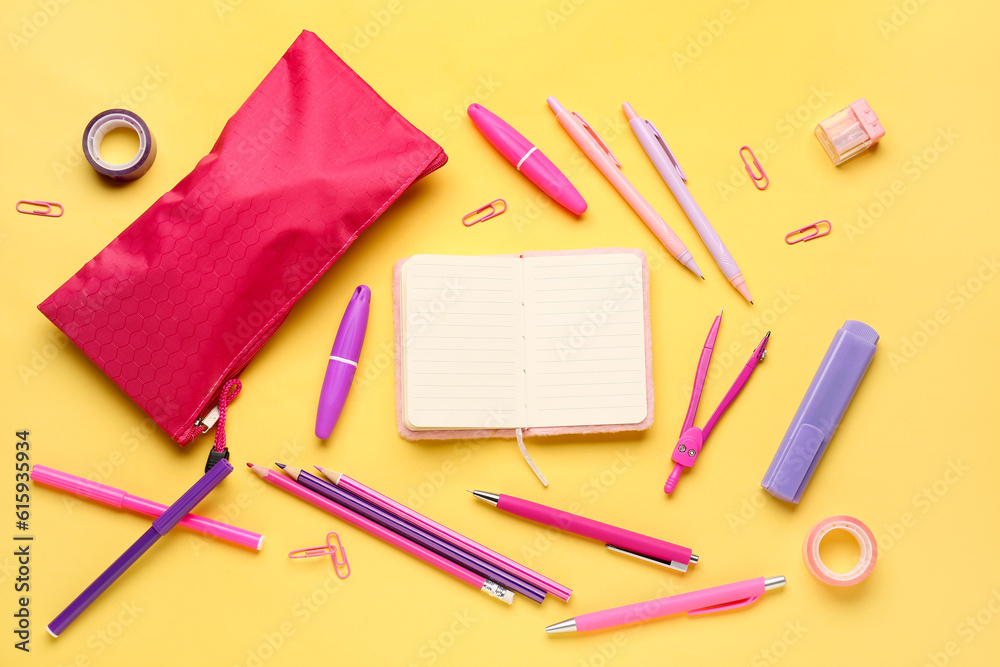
755 73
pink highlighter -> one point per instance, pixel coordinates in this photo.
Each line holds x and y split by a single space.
527 159
343 362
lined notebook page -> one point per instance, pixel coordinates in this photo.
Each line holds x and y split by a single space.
584 340
462 345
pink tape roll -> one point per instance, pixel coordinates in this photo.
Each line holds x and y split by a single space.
866 543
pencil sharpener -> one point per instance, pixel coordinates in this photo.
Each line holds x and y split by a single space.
849 132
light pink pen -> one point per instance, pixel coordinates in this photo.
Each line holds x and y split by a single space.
446 534
705 601
108 495
594 147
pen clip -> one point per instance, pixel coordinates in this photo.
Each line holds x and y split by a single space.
672 564
666 149
596 136
725 606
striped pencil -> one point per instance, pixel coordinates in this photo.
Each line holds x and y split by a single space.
491 588
414 533
405 513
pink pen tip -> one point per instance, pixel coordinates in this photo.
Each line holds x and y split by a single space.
249 465
555 106
629 111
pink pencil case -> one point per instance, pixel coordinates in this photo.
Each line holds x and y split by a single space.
186 295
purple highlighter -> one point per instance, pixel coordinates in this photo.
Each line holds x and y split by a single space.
343 361
170 518
820 412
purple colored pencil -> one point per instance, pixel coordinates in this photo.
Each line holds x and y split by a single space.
414 533
447 534
170 518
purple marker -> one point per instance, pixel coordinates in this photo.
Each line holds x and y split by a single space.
343 361
170 518
413 533
839 375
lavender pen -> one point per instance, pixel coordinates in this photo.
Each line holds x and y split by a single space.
413 533
343 361
170 518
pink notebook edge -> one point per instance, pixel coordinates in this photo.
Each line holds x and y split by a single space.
473 434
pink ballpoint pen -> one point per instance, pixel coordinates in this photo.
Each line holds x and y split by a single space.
594 147
623 541
693 438
705 601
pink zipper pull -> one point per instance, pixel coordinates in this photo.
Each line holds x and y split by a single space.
220 451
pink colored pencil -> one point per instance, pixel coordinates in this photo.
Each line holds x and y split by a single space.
447 534
485 585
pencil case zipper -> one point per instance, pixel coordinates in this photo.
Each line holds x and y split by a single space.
209 416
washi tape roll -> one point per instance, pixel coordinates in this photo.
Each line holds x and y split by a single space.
112 119
866 544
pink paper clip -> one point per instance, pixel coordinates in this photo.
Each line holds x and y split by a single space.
491 207
329 550
816 235
754 177
42 208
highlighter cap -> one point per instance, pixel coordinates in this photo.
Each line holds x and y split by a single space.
821 410
849 132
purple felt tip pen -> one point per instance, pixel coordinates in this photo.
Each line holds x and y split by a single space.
343 361
170 518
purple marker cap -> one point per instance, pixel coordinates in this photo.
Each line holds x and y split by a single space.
343 362
821 410
161 526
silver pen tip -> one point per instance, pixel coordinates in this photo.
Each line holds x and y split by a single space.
774 582
693 559
491 498
569 625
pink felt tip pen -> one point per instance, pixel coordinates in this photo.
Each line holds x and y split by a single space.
343 361
108 495
705 601
527 159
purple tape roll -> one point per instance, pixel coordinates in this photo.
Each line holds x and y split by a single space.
820 412
113 119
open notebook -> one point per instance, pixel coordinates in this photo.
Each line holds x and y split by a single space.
551 342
